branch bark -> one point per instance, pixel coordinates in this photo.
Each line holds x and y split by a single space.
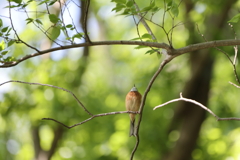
170 51
198 104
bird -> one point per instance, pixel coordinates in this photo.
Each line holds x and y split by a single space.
133 102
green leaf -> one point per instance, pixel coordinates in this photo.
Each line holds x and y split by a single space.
78 35
4 52
119 7
140 47
174 9
129 4
11 42
38 21
43 2
52 2
1 23
9 59
53 18
146 36
119 1
235 19
55 33
69 26
4 29
29 20
155 9
2 45
150 52
8 31
16 1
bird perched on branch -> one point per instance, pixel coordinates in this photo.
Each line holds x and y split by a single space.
133 102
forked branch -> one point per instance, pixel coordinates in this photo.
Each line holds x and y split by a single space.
198 104
79 102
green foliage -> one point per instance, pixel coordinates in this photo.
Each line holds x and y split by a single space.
101 81
235 19
53 18
5 43
128 8
173 7
56 30
16 1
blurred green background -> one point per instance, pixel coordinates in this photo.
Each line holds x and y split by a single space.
101 76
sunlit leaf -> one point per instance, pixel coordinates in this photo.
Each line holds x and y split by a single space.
235 19
140 47
17 1
29 20
69 26
119 7
42 2
4 29
129 4
11 42
146 35
1 23
2 45
8 59
78 35
119 1
4 52
55 33
53 18
38 21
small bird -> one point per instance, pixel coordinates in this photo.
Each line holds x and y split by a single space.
133 102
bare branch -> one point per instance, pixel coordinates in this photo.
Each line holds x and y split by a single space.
151 44
144 22
161 66
79 102
19 39
225 53
170 51
92 117
85 18
198 104
234 85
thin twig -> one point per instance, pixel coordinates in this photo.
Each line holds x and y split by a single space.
19 39
92 117
63 22
161 66
228 57
151 44
75 97
198 104
85 18
234 84
144 22
170 51
235 55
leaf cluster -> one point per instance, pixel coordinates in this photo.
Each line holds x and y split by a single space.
128 8
5 43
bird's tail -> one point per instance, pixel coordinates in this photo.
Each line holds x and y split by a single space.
132 128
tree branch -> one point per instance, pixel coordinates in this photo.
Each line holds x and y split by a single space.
92 117
85 8
170 51
15 32
198 104
75 97
144 22
161 66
